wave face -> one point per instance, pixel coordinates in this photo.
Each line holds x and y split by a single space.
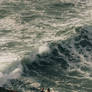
66 65
46 43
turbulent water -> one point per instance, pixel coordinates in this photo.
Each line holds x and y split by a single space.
46 43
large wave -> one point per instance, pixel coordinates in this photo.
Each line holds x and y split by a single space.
62 65
63 60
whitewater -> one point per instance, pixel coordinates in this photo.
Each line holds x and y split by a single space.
46 43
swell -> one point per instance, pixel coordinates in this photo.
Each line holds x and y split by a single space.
65 63
69 59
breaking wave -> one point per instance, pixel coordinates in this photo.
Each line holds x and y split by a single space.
46 44
67 63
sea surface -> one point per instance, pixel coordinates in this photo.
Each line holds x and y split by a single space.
46 43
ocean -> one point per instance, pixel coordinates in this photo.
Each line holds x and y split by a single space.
46 43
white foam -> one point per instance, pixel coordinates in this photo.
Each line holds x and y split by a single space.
74 91
1 74
44 49
10 24
10 68
6 59
36 85
16 73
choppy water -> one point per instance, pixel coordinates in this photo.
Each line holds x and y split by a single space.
46 43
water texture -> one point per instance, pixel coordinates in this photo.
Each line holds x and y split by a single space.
46 43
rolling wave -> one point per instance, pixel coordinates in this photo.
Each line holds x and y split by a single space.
53 42
63 62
